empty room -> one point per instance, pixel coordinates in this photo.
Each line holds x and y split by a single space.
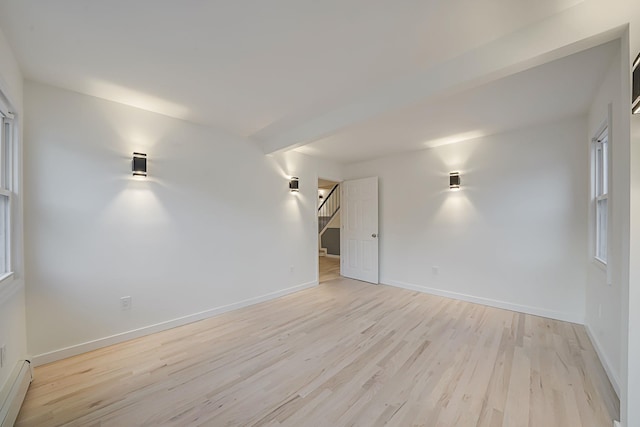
336 213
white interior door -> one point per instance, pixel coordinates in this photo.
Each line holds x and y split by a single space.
359 236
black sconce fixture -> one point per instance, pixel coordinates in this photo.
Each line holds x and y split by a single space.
454 180
139 164
635 91
294 184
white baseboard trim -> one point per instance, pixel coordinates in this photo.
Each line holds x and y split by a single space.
332 256
74 350
604 360
536 311
616 423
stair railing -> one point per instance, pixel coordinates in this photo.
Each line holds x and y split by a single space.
328 208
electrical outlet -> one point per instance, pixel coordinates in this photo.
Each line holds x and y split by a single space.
434 270
125 303
3 355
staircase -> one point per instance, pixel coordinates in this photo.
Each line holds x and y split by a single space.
328 209
323 221
326 212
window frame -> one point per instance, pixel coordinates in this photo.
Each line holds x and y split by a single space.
600 182
7 182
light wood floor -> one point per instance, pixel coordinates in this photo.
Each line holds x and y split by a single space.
343 353
329 268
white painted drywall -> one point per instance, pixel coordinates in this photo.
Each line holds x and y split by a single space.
12 305
630 409
322 192
603 317
512 237
214 224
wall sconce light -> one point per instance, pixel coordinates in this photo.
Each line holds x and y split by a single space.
454 180
294 184
139 164
635 91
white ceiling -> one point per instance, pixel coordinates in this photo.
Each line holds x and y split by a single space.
558 89
254 68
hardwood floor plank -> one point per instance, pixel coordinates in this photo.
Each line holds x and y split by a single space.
329 268
344 353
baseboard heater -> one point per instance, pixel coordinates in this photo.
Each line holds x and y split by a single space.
12 395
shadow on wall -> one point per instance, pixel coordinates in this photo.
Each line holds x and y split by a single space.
331 241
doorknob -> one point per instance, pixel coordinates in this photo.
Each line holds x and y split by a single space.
374 235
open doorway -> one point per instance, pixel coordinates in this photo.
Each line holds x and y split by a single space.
328 230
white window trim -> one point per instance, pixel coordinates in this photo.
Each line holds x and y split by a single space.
7 187
604 127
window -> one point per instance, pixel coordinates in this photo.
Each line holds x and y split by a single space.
601 192
6 187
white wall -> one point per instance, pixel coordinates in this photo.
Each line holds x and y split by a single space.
512 237
213 225
12 305
630 410
322 192
604 286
